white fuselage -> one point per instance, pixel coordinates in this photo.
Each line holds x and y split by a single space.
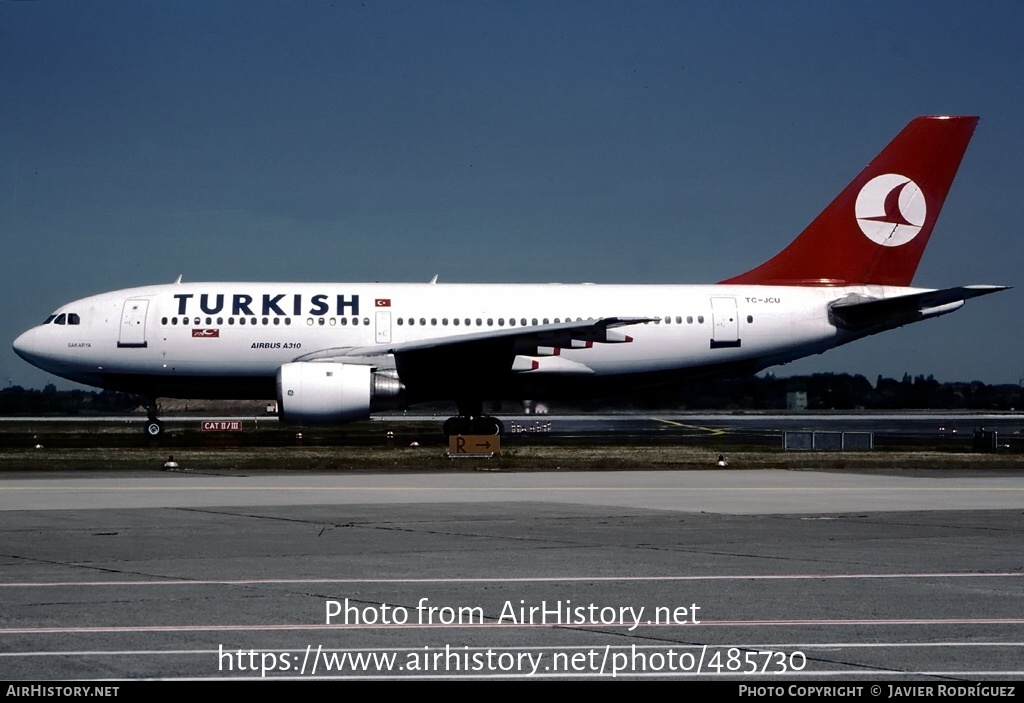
224 331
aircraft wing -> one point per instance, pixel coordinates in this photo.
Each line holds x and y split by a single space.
530 340
869 315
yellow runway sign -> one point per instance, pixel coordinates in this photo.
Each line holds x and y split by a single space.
470 444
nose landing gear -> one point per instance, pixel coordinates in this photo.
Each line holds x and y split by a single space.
154 428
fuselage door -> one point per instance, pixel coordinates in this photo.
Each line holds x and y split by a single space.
383 327
725 324
133 323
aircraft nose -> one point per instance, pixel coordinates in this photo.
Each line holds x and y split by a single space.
27 346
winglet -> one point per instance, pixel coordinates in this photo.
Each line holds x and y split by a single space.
876 230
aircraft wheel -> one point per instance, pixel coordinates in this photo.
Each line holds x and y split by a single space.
457 425
483 425
154 428
486 424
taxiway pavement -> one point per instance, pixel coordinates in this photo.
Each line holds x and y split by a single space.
796 575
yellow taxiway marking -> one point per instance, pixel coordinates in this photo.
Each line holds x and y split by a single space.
710 430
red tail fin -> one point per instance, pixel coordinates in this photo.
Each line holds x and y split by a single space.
877 229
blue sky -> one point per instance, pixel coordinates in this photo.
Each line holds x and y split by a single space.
632 142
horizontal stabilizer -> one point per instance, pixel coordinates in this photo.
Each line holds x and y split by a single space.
857 313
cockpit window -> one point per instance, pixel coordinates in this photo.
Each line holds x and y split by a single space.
61 319
73 318
50 319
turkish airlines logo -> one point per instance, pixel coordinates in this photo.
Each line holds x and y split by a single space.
206 333
890 209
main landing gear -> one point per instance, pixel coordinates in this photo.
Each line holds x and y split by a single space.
471 420
467 424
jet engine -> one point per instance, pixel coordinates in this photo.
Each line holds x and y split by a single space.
312 392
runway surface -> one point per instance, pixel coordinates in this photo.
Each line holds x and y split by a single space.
780 575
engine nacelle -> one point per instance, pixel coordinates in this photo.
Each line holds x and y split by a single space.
328 392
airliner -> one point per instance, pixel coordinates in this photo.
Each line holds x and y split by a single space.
336 352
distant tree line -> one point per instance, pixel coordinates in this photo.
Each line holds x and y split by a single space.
824 391
840 391
16 400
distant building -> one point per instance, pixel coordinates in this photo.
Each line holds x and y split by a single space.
796 400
